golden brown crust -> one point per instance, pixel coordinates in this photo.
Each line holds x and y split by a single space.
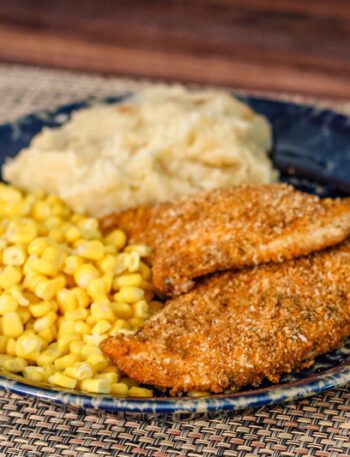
237 328
232 228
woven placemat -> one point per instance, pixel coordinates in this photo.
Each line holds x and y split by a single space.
318 426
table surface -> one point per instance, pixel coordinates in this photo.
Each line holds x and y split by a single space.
291 46
317 426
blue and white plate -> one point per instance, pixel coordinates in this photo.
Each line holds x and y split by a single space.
312 151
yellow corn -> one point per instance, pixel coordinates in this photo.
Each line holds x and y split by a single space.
117 238
97 361
134 280
67 300
66 327
24 314
119 389
90 349
140 309
37 246
14 255
112 377
81 296
145 271
142 250
64 341
40 309
62 380
129 294
97 289
101 327
8 304
96 385
86 273
102 310
66 361
34 374
49 334
92 250
28 347
79 371
48 289
135 391
72 234
122 310
3 343
77 314
23 231
133 261
14 365
48 356
76 347
21 297
10 276
72 263
82 328
11 347
107 263
12 325
45 322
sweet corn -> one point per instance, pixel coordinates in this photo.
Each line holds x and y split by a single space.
96 385
34 374
8 304
14 365
119 389
129 294
9 276
12 325
134 280
14 255
62 380
79 371
136 391
58 282
66 361
86 273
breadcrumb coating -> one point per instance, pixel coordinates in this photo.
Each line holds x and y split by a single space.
231 228
238 328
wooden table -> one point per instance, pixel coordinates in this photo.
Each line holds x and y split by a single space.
287 45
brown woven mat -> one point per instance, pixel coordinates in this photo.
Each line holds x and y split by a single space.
319 426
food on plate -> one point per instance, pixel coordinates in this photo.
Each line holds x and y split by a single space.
238 328
64 287
158 144
231 228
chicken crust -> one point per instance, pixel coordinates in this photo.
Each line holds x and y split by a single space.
231 228
238 328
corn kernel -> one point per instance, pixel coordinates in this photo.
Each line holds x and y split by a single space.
48 289
119 389
10 194
48 335
111 377
62 380
72 263
14 255
76 347
145 271
96 385
101 327
42 266
14 365
67 300
7 303
134 280
133 262
79 371
66 361
86 273
10 276
48 356
116 238
89 227
122 310
3 359
90 349
94 339
41 210
136 322
54 256
40 309
102 310
48 370
119 326
3 343
12 325
64 341
45 322
135 391
34 374
140 309
129 294
82 328
72 234
24 314
107 263
92 250
142 250
66 327
28 347
56 235
21 297
11 347
32 279
97 289
97 361
77 314
81 296
37 246
21 232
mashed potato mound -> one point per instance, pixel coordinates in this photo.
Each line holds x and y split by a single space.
157 144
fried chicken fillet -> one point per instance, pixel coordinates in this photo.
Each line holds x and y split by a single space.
231 228
238 328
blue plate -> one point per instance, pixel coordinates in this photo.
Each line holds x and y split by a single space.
312 151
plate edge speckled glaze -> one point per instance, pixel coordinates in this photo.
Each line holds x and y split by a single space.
311 385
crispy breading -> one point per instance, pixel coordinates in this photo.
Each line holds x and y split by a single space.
238 328
232 228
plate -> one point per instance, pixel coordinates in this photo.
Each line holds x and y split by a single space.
312 151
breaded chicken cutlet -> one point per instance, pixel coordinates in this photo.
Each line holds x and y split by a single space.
231 228
238 328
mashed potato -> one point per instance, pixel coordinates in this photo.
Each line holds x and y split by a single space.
158 144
